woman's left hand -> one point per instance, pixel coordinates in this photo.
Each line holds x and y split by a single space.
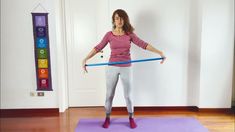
164 58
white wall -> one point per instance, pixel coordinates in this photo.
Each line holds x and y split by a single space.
194 52
164 24
217 44
191 77
234 77
18 77
195 35
182 29
233 103
234 62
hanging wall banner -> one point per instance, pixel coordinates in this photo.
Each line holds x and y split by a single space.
42 51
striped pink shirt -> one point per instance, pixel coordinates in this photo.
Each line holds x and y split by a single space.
120 46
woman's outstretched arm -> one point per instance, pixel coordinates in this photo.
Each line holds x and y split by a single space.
90 55
152 49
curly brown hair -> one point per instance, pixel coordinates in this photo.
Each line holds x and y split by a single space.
127 26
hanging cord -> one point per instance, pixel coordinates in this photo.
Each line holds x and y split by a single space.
39 5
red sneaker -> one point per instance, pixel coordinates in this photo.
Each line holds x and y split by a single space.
132 123
106 122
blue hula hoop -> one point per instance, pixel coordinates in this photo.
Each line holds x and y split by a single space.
124 62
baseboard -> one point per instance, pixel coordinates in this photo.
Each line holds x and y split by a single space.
29 112
233 103
233 109
178 108
160 108
120 110
215 110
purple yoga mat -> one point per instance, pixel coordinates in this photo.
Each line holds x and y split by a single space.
159 124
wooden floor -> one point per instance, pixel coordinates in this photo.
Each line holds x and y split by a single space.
67 121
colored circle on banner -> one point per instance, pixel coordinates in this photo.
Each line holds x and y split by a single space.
42 73
41 31
42 63
41 42
40 20
43 83
42 53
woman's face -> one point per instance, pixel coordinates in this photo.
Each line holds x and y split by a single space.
118 21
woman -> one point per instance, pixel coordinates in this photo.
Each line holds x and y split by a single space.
120 39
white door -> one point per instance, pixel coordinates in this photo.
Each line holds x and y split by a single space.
84 30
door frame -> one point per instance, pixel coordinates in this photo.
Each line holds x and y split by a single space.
62 40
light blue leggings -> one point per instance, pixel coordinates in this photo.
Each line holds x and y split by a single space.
112 77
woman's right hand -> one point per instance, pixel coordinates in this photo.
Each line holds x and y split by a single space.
91 54
84 66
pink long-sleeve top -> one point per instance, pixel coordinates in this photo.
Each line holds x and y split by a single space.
120 46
